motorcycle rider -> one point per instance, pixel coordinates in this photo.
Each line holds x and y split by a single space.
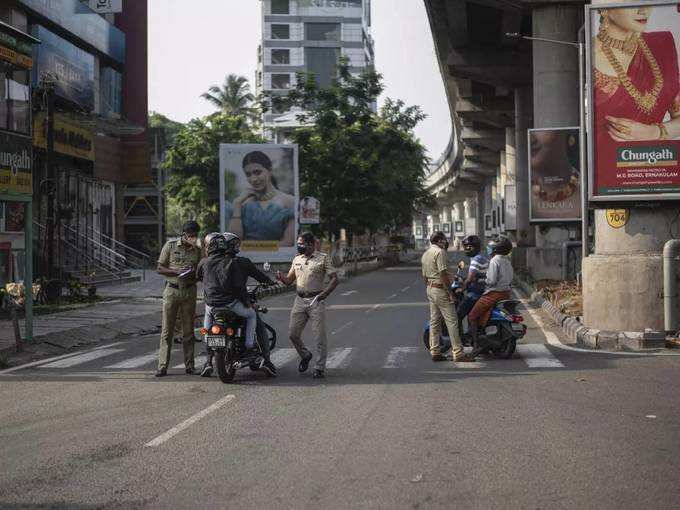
474 284
224 277
498 279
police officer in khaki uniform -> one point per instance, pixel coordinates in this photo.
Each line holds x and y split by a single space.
177 262
435 273
308 271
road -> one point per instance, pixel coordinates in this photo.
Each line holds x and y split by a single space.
387 428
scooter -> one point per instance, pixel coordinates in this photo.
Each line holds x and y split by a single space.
227 338
501 334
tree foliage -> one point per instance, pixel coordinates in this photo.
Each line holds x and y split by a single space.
366 168
233 97
193 164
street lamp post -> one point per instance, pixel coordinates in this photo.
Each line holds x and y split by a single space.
582 129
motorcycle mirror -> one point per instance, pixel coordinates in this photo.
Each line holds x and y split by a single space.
267 267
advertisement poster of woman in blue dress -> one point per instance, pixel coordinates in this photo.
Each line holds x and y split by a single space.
260 196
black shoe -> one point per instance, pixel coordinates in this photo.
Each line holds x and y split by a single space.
207 370
269 368
318 374
190 371
304 364
161 372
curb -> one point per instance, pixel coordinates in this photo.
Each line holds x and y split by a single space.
595 339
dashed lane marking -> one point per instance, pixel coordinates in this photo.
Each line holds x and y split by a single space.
136 362
344 326
189 422
349 292
538 356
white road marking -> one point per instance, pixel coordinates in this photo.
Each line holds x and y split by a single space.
553 340
360 307
349 292
406 288
136 362
342 327
190 421
198 361
281 357
374 307
469 365
396 355
339 358
82 358
392 296
538 356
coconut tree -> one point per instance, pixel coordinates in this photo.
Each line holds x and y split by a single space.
233 97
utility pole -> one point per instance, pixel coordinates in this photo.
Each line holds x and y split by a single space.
48 185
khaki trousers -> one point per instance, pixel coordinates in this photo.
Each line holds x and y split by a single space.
299 317
178 303
441 307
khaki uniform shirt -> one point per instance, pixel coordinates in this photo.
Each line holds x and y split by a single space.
310 272
434 261
177 255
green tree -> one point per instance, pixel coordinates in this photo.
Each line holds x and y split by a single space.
193 164
233 97
366 168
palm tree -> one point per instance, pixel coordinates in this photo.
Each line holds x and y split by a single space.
233 97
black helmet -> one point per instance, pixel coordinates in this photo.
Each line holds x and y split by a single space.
190 227
472 245
500 245
233 243
214 243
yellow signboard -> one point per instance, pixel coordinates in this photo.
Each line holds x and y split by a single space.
69 138
617 218
16 165
260 245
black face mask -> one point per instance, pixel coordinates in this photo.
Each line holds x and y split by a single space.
301 248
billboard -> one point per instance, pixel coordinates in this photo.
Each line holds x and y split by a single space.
16 165
259 198
310 211
554 174
634 90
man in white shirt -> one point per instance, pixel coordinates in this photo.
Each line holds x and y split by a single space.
498 279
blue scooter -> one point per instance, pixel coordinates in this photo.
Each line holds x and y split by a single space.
501 334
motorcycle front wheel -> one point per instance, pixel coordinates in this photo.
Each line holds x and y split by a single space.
225 365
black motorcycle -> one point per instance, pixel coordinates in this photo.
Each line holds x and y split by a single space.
227 338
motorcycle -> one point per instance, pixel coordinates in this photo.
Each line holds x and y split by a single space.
227 337
504 329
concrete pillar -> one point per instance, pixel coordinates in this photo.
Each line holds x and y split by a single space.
523 120
510 156
479 209
623 279
556 104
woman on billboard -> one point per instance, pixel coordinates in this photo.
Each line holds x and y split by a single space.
262 212
635 77
555 180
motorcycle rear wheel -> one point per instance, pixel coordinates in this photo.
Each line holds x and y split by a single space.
507 350
225 366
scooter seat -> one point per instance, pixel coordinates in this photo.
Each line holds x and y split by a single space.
508 305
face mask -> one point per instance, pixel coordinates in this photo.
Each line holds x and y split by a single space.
489 251
301 248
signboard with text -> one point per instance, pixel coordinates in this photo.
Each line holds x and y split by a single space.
633 85
106 6
70 139
16 165
310 211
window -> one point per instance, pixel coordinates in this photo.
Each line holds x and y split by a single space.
323 63
322 31
15 113
280 81
280 31
280 57
280 6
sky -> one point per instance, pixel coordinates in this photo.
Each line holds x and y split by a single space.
194 44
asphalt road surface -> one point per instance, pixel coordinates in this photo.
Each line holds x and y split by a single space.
388 428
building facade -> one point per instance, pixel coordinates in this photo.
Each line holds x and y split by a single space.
308 36
95 63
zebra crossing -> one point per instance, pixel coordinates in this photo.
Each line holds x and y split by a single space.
112 358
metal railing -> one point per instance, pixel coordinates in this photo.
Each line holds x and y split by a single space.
352 255
136 259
